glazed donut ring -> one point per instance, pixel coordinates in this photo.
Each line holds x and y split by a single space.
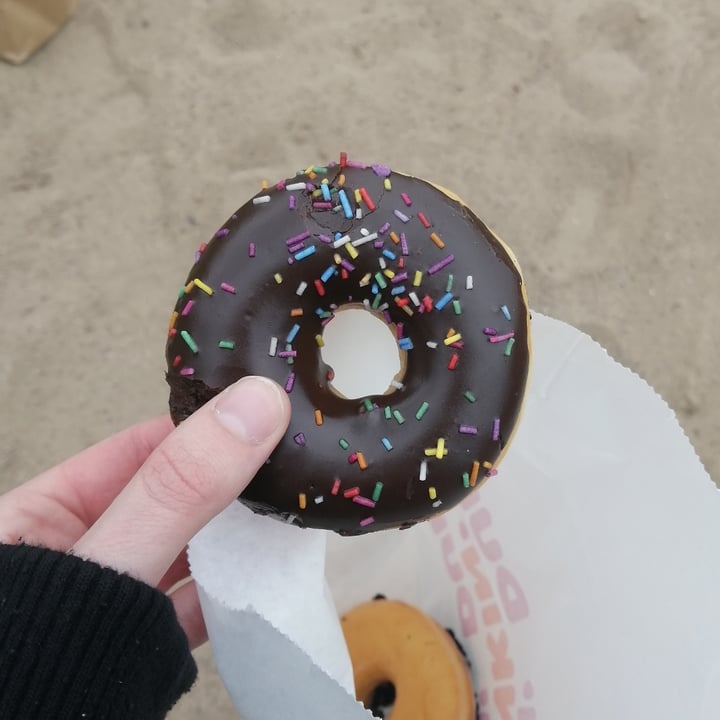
390 641
260 294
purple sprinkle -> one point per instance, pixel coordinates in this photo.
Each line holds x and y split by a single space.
387 317
324 322
320 205
325 239
309 187
360 500
381 170
222 232
297 238
347 265
187 371
438 266
188 307
291 202
227 288
367 521
399 277
501 338
401 215
404 245
251 249
197 255
287 353
233 217
378 244
384 228
299 439
290 382
496 429
491 473
356 164
400 329
292 249
490 331
468 429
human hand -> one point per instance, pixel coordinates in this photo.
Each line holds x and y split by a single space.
132 502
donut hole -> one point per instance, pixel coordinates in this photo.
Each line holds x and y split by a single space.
362 350
382 700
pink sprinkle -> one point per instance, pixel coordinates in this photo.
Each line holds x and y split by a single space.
468 429
356 164
360 500
501 338
287 353
352 458
188 307
290 382
400 328
187 371
406 199
352 492
335 487
280 185
491 473
320 205
291 202
251 249
227 288
496 429
367 521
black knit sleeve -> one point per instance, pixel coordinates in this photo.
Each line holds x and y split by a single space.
81 641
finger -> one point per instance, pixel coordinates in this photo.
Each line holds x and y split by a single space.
198 470
179 570
189 614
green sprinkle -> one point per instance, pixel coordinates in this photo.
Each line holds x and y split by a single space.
227 344
182 292
456 307
388 412
376 301
398 416
319 169
469 396
466 480
422 410
377 491
343 443
290 360
187 337
380 280
368 405
449 285
509 347
325 314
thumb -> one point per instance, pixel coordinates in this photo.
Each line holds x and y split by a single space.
199 469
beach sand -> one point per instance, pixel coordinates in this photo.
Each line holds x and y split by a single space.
585 134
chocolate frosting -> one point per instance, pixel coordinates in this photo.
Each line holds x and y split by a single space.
372 463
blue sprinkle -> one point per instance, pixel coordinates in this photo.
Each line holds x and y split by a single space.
292 333
389 254
443 301
505 312
307 252
325 192
398 290
328 274
345 204
319 312
405 343
374 288
387 444
338 235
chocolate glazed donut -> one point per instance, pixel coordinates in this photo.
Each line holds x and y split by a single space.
260 293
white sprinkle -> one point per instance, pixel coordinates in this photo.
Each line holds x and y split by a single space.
437 503
262 199
273 346
382 263
319 499
358 214
290 519
383 307
364 239
423 471
337 208
469 282
341 241
432 345
366 303
364 231
397 385
414 298
296 186
301 288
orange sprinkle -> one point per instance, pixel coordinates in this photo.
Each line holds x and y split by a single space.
173 319
341 180
318 417
264 184
436 239
296 312
302 500
394 237
189 287
474 473
362 463
312 175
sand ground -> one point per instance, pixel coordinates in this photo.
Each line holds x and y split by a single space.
584 132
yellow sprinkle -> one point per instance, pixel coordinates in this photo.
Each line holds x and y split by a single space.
474 473
362 463
358 196
324 181
351 251
316 193
389 273
417 279
453 339
430 452
308 169
337 258
341 180
365 280
205 288
302 500
408 310
189 287
387 184
319 340
440 450
394 237
173 320
296 312
432 492
264 184
278 278
318 417
487 465
436 239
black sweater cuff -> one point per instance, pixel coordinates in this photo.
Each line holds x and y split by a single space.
81 641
